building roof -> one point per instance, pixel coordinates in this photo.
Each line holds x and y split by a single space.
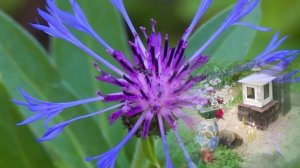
258 79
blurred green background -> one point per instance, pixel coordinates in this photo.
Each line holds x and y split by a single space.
174 15
18 147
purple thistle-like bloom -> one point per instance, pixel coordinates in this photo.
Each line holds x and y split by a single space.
154 86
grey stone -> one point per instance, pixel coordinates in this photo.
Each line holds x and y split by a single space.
230 139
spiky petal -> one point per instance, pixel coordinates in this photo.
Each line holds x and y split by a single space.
47 110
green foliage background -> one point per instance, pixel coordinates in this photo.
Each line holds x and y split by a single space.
64 73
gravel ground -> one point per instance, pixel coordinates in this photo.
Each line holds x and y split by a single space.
276 147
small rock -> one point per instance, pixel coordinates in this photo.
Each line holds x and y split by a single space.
230 139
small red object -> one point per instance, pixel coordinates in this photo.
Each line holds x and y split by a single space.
207 156
219 113
220 100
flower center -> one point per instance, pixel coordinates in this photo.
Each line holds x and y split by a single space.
156 81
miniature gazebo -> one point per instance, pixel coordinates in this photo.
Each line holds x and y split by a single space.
258 107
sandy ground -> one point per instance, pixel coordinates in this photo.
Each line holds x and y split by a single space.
277 146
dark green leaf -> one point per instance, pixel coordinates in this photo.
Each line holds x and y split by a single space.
23 63
139 160
18 147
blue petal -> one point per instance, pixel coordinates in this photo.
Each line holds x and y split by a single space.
28 98
287 78
57 28
107 160
50 118
255 27
186 155
20 103
48 110
51 133
165 145
79 14
241 9
36 105
65 17
77 21
281 55
31 119
48 30
51 20
120 6
290 80
200 12
274 44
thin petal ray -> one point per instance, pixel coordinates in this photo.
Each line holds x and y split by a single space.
165 145
107 159
55 130
187 157
200 12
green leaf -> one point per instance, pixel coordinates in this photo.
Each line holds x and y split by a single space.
77 69
232 46
148 148
24 63
139 160
17 144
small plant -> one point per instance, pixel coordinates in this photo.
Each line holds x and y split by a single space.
224 158
218 96
238 97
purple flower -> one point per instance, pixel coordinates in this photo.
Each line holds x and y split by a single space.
154 86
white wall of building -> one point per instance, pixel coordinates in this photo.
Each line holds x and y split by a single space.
258 100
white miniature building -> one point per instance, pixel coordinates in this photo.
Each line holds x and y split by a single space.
257 89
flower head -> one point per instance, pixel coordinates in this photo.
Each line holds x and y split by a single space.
154 86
